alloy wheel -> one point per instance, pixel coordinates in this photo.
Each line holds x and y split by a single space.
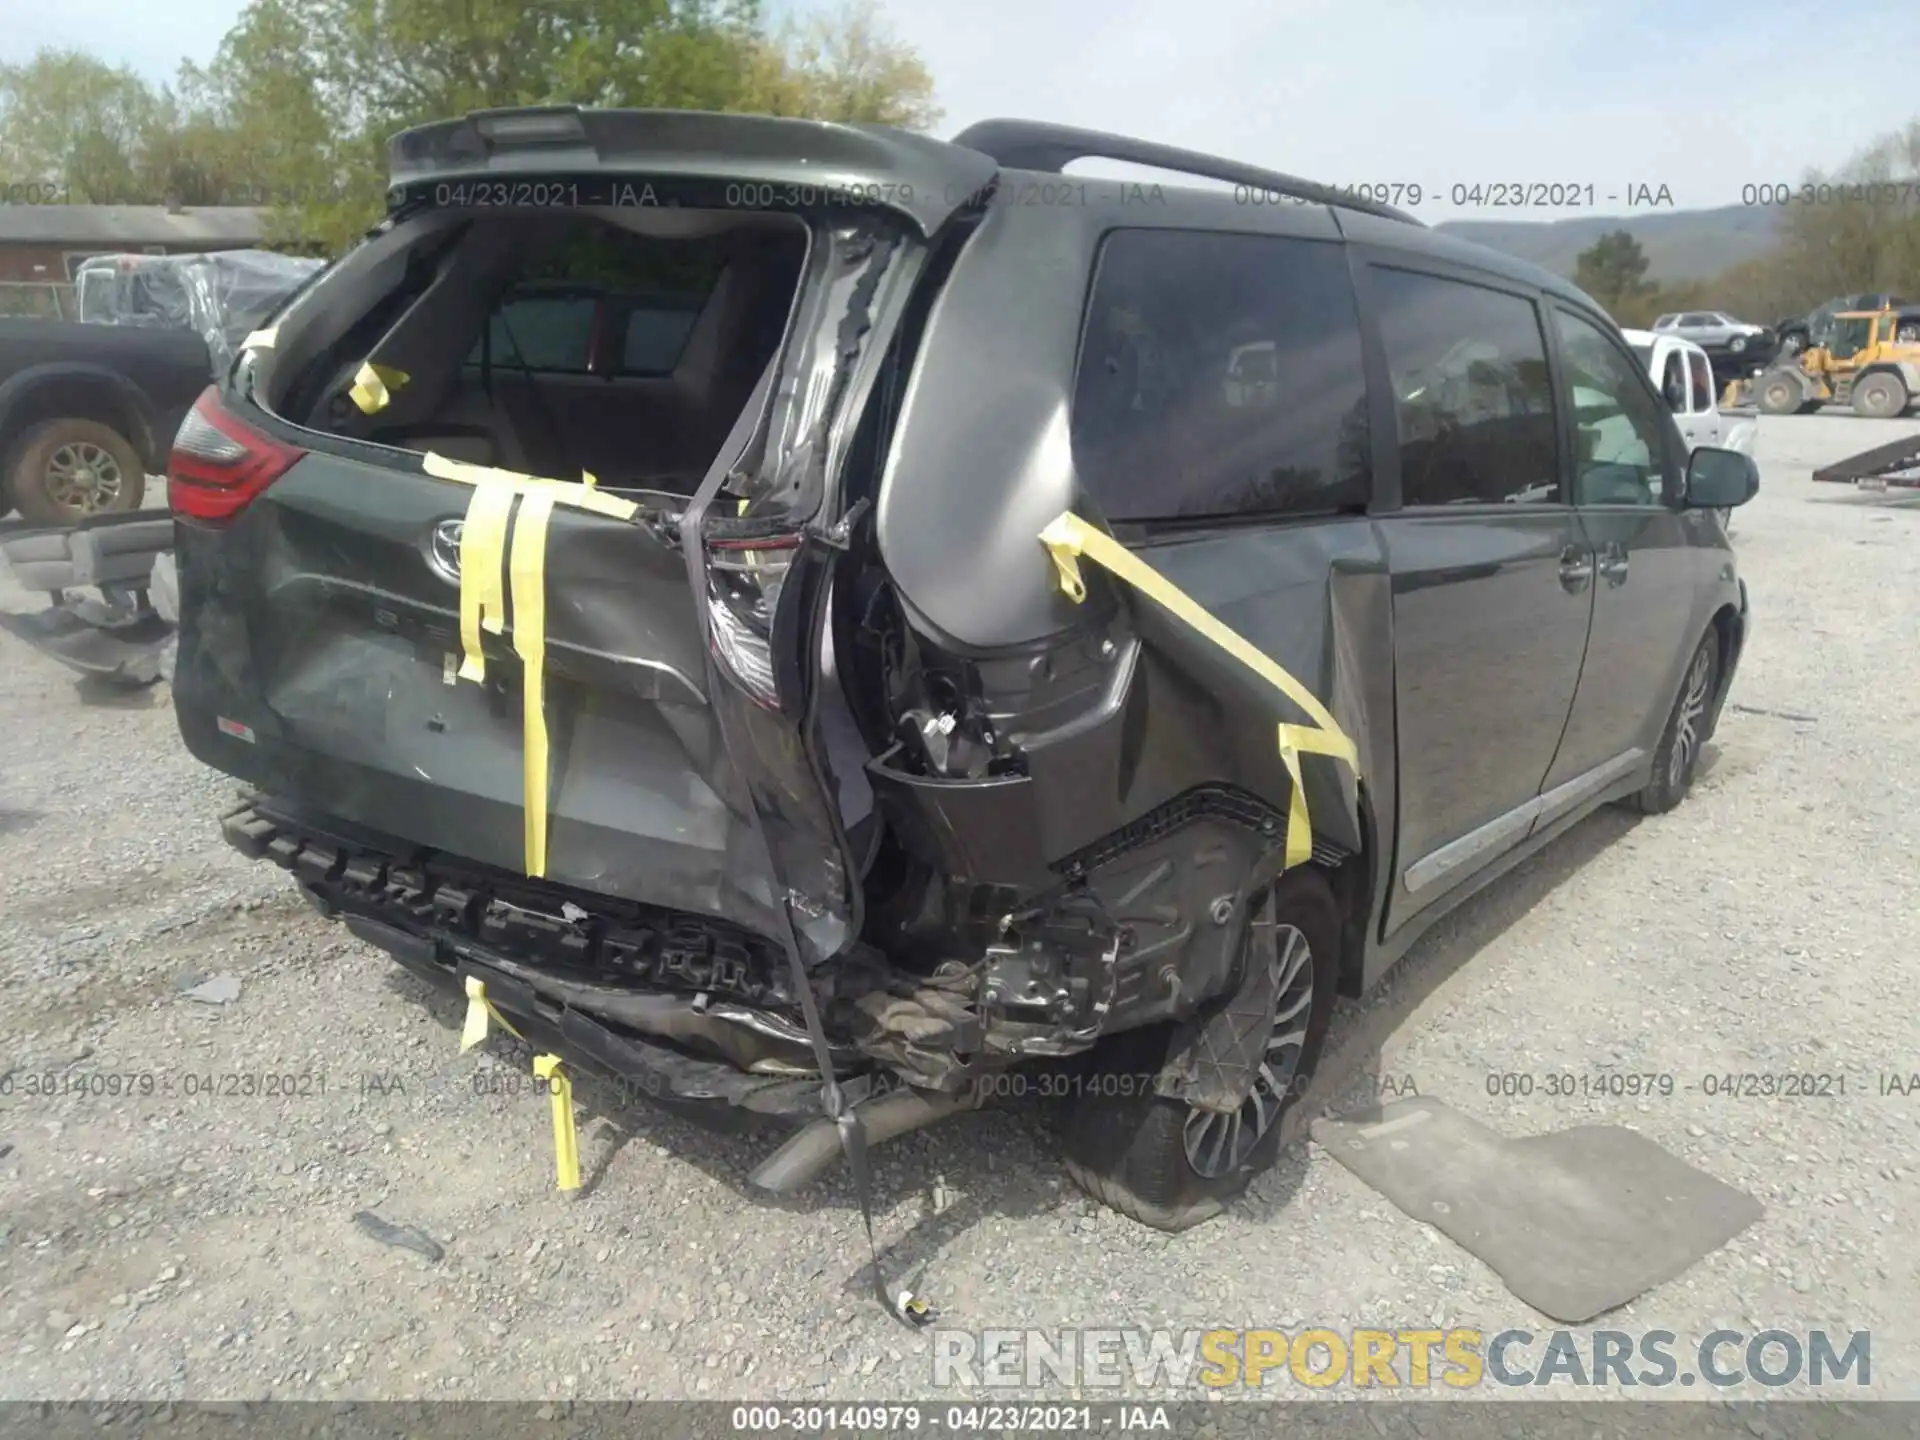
1693 707
1219 1144
83 477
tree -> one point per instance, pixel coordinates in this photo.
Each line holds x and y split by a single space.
295 111
839 67
68 120
1613 270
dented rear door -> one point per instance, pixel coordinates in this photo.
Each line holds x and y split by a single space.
319 644
320 639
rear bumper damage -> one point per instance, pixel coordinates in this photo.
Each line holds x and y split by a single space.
680 1009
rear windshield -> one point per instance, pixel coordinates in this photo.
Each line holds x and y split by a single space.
621 343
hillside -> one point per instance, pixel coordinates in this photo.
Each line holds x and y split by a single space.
1679 244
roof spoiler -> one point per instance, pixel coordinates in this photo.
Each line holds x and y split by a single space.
1035 145
922 178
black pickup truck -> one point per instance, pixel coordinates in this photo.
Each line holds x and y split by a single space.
87 412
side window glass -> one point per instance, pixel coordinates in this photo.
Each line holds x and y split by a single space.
1702 372
1220 375
1673 383
1618 430
656 335
1470 386
550 333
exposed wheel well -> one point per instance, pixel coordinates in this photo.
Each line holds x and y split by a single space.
1353 892
1725 625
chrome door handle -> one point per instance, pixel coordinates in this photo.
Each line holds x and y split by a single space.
1613 565
1576 568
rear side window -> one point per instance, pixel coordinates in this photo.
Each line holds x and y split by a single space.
656 335
1220 375
1471 390
544 332
1702 380
596 298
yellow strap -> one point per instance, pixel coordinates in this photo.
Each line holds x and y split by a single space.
529 567
479 1007
565 492
1068 537
373 386
566 1140
483 536
483 547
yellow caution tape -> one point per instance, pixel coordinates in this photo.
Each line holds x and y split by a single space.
261 339
566 1140
1068 537
565 492
373 386
479 1008
483 597
529 572
483 538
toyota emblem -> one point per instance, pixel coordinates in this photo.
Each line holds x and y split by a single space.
443 550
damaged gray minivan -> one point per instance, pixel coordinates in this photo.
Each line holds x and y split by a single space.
839 773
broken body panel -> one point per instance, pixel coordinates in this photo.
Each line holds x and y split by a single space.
1075 801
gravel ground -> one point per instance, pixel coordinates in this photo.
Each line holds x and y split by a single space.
168 1245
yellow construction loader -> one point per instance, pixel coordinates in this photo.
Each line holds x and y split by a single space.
1870 360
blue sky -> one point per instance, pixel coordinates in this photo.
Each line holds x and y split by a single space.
1696 98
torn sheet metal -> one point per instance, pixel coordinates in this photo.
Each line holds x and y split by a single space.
1068 537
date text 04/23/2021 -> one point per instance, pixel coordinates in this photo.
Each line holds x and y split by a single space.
1480 194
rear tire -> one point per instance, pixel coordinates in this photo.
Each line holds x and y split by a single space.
1678 754
1880 397
66 470
1169 1166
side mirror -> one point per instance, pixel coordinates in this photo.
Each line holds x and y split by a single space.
1720 479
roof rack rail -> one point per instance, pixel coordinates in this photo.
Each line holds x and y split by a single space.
1037 145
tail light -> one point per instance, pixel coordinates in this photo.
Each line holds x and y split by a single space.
744 578
219 466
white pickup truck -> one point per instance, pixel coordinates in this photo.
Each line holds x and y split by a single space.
1684 377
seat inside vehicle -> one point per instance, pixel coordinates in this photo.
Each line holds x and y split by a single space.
620 342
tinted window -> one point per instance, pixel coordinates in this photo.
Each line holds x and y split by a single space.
1619 430
1673 384
1220 375
544 332
1702 380
1469 368
546 318
656 334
